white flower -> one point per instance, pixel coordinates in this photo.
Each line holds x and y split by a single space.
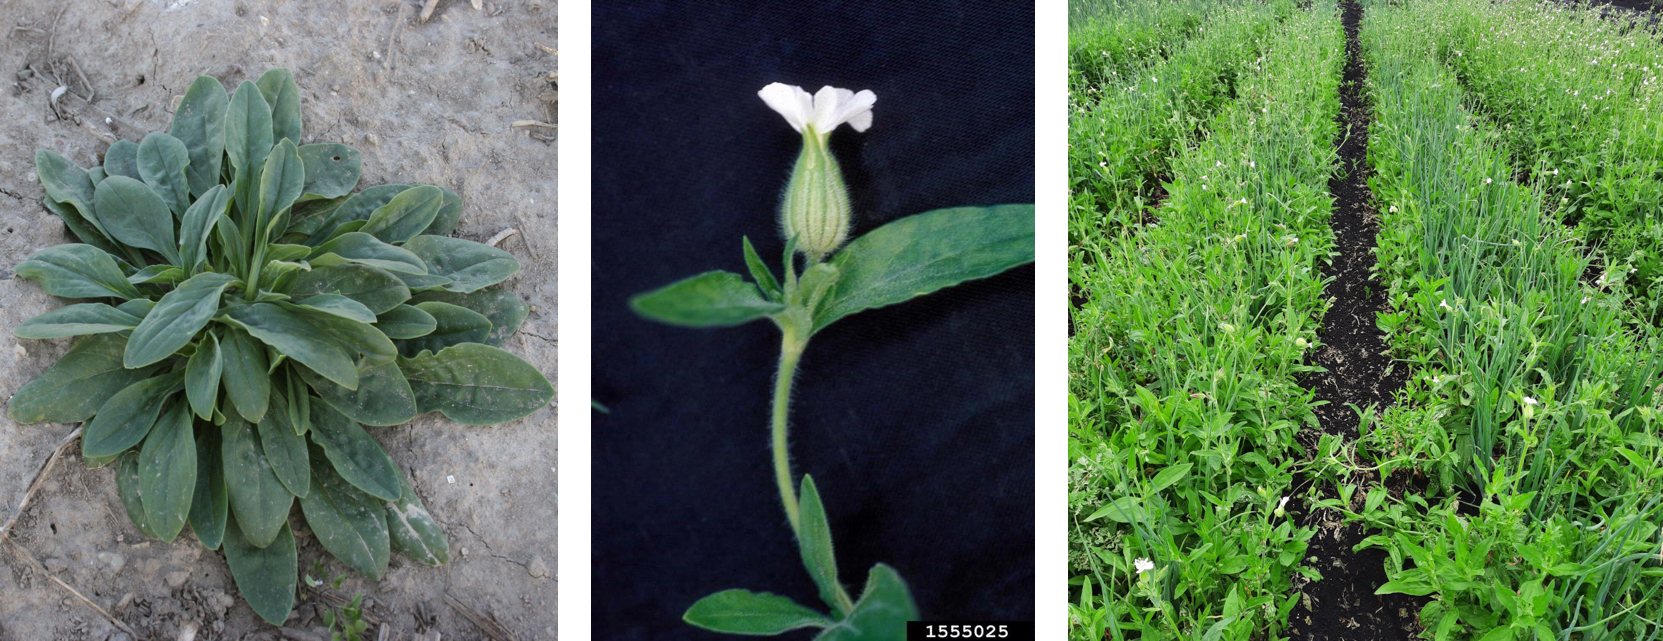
1486 181
1144 565
1280 512
1529 401
1392 209
1444 304
823 111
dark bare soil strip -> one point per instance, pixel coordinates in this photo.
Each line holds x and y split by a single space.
1359 372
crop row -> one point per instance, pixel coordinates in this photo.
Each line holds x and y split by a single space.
1531 416
1183 403
1107 38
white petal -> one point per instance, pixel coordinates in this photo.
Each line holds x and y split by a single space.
861 121
857 110
827 101
790 101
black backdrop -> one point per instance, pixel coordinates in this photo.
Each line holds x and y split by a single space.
916 420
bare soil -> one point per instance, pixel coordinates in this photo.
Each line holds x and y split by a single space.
432 102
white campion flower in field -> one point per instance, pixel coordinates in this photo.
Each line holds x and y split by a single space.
1280 512
815 208
1143 565
824 110
1444 304
1529 401
1486 181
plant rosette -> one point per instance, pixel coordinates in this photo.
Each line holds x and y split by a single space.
894 263
243 315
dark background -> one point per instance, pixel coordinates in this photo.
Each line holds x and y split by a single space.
916 420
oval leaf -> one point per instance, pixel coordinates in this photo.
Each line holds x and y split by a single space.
198 221
412 530
356 208
405 321
77 271
356 456
127 417
406 215
209 503
450 213
79 319
176 319
280 184
134 214
350 524
814 541
277 86
377 289
200 124
293 335
247 383
266 576
78 384
882 613
383 396
167 473
202 374
127 487
753 613
359 247
331 170
259 500
476 384
503 308
453 325
162 161
285 448
711 299
469 265
122 159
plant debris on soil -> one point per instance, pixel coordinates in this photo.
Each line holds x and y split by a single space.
432 102
1359 373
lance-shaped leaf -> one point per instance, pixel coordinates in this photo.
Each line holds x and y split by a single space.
259 499
78 384
882 612
469 265
134 214
450 213
331 170
285 449
76 320
167 472
350 524
83 228
162 161
711 299
247 384
157 275
503 308
127 478
277 86
405 321
752 613
248 129
356 208
67 183
375 288
122 159
814 541
202 375
200 124
266 576
423 282
362 248
760 273
198 221
177 318
355 456
127 417
476 384
413 531
406 215
356 336
383 396
77 271
293 335
209 503
280 184
453 325
926 252
337 305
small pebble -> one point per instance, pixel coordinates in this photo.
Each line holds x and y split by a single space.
537 568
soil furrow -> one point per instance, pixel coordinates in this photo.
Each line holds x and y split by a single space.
1358 373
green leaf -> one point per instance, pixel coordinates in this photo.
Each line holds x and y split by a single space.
760 272
208 502
77 271
406 215
278 88
97 175
356 207
246 382
453 325
882 612
383 396
375 288
266 576
132 213
412 530
350 524
127 417
76 320
1171 475
331 170
752 613
199 219
83 228
356 456
67 183
359 247
157 275
177 318
1410 586
285 449
259 499
280 184
503 308
406 321
78 384
338 305
476 384
450 212
200 124
167 473
127 479
471 266
926 252
162 160
355 336
1126 509
202 375
248 131
422 282
122 159
814 541
711 299
295 336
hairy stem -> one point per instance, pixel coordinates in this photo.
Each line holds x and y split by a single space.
791 349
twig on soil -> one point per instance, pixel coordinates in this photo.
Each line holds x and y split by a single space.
391 61
24 552
522 124
52 39
40 476
427 9
546 49
501 235
485 624
91 93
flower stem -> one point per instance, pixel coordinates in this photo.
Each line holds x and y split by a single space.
791 349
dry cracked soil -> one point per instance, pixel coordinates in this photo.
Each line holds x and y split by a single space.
432 102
